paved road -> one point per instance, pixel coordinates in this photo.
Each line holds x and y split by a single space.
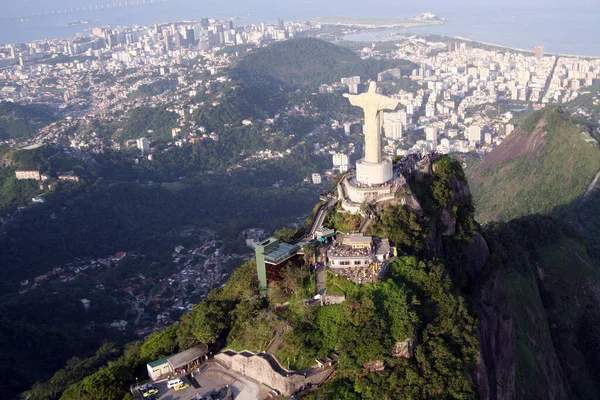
320 280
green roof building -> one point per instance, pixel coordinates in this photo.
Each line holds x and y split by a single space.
272 252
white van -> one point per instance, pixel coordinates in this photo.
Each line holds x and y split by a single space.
174 382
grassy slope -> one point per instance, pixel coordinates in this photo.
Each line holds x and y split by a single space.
544 164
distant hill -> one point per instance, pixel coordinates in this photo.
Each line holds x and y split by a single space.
20 121
547 162
310 62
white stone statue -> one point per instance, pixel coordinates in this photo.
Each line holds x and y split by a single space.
373 105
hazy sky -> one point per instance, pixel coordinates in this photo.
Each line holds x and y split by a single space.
341 7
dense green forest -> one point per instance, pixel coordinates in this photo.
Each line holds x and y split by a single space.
155 123
19 121
309 62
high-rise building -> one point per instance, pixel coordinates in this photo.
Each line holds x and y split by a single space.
539 51
341 162
475 133
454 119
392 125
431 133
488 138
280 24
143 144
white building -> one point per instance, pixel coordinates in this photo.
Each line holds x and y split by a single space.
341 162
475 133
316 178
392 124
143 144
509 129
347 127
488 138
431 133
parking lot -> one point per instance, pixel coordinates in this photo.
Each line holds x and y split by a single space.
210 379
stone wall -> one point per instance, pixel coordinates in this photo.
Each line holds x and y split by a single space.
265 369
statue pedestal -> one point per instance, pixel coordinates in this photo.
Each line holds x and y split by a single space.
373 174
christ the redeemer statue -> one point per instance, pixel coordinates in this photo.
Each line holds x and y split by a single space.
373 105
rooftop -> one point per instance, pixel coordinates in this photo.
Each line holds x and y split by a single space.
282 252
185 357
158 362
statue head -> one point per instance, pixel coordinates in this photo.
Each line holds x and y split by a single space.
372 87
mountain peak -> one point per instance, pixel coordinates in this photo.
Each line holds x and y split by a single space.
549 160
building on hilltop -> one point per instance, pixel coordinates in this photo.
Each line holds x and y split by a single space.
358 257
177 364
374 179
24 174
270 255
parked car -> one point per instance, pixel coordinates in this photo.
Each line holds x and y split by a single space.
183 386
174 382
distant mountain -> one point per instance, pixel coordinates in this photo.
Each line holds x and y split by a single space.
308 62
547 162
19 121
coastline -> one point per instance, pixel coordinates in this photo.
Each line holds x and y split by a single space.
518 49
375 23
398 35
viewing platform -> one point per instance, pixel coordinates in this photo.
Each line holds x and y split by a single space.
353 193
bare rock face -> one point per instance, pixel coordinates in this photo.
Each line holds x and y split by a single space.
447 223
478 253
404 349
495 370
461 192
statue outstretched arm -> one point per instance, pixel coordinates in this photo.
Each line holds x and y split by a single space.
354 99
387 103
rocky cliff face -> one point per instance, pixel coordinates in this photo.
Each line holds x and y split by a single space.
495 371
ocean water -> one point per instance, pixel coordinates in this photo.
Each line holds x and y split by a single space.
571 27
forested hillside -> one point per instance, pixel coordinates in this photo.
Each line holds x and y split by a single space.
548 165
21 121
548 161
309 62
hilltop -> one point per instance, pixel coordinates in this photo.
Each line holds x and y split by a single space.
508 311
308 62
547 162
20 121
